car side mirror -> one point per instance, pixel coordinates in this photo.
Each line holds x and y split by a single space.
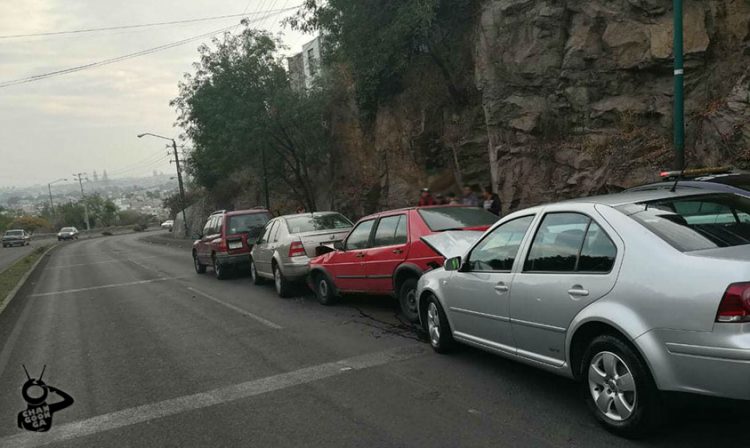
338 245
452 264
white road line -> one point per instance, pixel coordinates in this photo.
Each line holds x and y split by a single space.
265 322
161 409
123 260
112 285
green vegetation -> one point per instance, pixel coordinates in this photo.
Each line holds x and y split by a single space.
379 41
240 111
10 277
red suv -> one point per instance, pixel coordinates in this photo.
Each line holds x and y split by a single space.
383 254
226 240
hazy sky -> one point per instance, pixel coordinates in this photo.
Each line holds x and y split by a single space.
88 120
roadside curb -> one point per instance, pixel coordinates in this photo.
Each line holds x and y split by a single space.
12 294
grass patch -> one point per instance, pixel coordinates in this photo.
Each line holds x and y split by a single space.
10 277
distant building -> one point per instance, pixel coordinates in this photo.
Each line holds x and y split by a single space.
304 68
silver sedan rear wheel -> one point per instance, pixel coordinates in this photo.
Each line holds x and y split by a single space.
612 386
438 328
433 323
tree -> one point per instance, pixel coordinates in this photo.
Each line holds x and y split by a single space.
380 40
30 223
239 106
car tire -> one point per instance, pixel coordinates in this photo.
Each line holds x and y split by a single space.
407 299
324 290
219 270
619 389
437 327
257 279
200 268
282 285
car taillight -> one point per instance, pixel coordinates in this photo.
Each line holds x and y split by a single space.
296 249
222 245
735 305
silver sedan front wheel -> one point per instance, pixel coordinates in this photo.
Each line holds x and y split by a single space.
612 386
438 328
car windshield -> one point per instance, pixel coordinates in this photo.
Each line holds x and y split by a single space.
67 229
312 223
14 233
251 223
448 218
696 222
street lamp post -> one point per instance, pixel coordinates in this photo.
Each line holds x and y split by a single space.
679 86
179 176
49 189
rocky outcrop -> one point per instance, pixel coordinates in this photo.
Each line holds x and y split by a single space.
567 98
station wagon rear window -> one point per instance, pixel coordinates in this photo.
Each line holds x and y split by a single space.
439 219
251 223
696 222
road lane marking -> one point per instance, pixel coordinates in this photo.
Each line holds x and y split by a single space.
202 400
265 322
123 260
112 285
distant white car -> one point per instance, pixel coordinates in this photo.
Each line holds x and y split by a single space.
168 224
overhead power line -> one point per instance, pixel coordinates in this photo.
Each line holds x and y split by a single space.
142 25
121 58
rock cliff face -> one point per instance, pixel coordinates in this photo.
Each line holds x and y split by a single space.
565 98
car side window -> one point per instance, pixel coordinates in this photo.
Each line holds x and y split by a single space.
598 252
208 227
277 231
266 233
218 224
570 242
498 250
272 231
359 238
557 243
391 231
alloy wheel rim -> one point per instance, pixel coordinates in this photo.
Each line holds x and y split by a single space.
217 267
253 274
323 288
433 324
277 279
612 386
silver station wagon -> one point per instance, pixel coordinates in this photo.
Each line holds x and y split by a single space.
630 294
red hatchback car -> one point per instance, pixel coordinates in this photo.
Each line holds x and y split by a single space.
383 254
227 238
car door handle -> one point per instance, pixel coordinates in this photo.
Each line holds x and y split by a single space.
501 287
397 251
360 255
578 291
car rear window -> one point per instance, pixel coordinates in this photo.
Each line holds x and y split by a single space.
66 229
252 224
447 218
312 223
696 222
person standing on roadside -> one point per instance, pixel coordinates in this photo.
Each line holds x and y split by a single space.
451 199
470 198
425 198
492 201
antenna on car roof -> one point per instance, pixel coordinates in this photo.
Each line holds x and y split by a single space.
676 180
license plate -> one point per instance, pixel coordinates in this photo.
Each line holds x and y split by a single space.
235 244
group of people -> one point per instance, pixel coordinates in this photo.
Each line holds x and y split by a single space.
490 201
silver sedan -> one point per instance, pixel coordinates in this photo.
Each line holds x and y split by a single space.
630 294
287 244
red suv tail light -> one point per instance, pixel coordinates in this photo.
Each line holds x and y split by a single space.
735 305
296 249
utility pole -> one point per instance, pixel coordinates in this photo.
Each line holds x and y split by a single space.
183 203
80 177
49 189
679 86
182 188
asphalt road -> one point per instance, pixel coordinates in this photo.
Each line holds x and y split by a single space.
9 255
156 355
